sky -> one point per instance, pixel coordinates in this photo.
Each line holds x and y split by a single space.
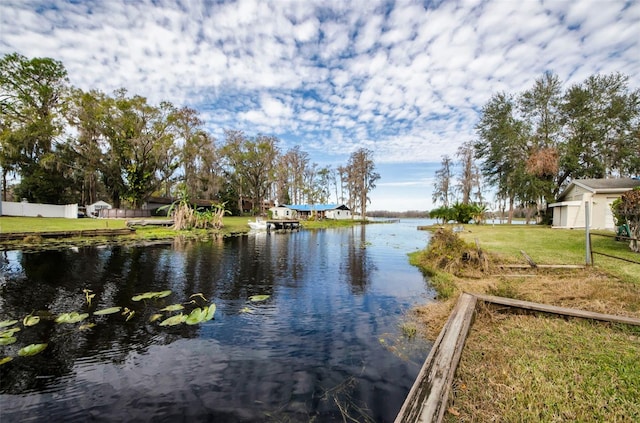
404 79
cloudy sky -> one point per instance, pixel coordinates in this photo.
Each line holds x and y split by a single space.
405 79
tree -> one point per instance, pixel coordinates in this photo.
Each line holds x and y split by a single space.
31 99
469 177
601 128
86 112
442 187
250 164
362 177
501 147
626 209
197 154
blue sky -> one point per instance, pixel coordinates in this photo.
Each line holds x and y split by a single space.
405 79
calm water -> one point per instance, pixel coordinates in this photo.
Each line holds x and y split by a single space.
327 341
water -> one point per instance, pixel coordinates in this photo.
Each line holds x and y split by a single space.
326 344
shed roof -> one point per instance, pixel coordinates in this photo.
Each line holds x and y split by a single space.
603 186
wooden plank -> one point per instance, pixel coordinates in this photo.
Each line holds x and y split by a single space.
546 308
427 400
543 266
529 259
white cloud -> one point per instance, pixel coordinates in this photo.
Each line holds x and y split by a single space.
399 78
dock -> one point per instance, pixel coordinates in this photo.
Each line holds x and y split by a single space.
289 224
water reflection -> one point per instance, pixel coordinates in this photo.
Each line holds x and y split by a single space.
311 350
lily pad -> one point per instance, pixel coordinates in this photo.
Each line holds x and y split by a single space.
197 315
5 360
150 295
155 317
173 307
5 323
109 310
210 311
256 298
32 349
73 317
31 320
8 340
246 310
9 332
174 320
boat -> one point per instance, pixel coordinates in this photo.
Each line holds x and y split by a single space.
258 224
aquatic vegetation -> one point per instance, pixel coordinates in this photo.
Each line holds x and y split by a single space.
87 326
5 323
88 295
9 332
73 317
30 320
110 310
174 320
246 310
199 294
8 340
256 298
197 315
31 349
151 295
173 307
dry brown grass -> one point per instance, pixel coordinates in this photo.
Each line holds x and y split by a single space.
523 367
528 367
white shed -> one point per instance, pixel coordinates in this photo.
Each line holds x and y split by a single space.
93 210
569 209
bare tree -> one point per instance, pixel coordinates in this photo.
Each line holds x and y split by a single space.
442 187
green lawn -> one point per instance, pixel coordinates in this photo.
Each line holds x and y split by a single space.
10 224
554 246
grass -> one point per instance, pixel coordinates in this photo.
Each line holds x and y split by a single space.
553 246
518 367
10 224
233 225
546 369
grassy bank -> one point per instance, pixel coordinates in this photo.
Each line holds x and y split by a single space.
538 367
233 225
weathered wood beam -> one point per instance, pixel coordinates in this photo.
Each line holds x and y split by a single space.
564 311
428 397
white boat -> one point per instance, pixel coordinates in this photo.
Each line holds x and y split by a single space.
259 224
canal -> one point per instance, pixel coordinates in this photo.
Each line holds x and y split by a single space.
307 327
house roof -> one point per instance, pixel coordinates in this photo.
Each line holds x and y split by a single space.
603 186
315 207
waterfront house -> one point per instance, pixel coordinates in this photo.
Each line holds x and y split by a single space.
305 211
569 208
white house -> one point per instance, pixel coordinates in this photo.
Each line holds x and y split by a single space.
304 211
569 209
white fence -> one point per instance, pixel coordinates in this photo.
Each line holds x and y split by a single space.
9 208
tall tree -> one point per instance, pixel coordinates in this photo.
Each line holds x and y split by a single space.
198 155
469 177
363 177
601 128
501 147
31 100
250 164
443 186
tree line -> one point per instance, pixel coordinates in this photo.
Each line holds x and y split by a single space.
531 145
67 145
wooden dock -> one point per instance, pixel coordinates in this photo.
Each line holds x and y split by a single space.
278 224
